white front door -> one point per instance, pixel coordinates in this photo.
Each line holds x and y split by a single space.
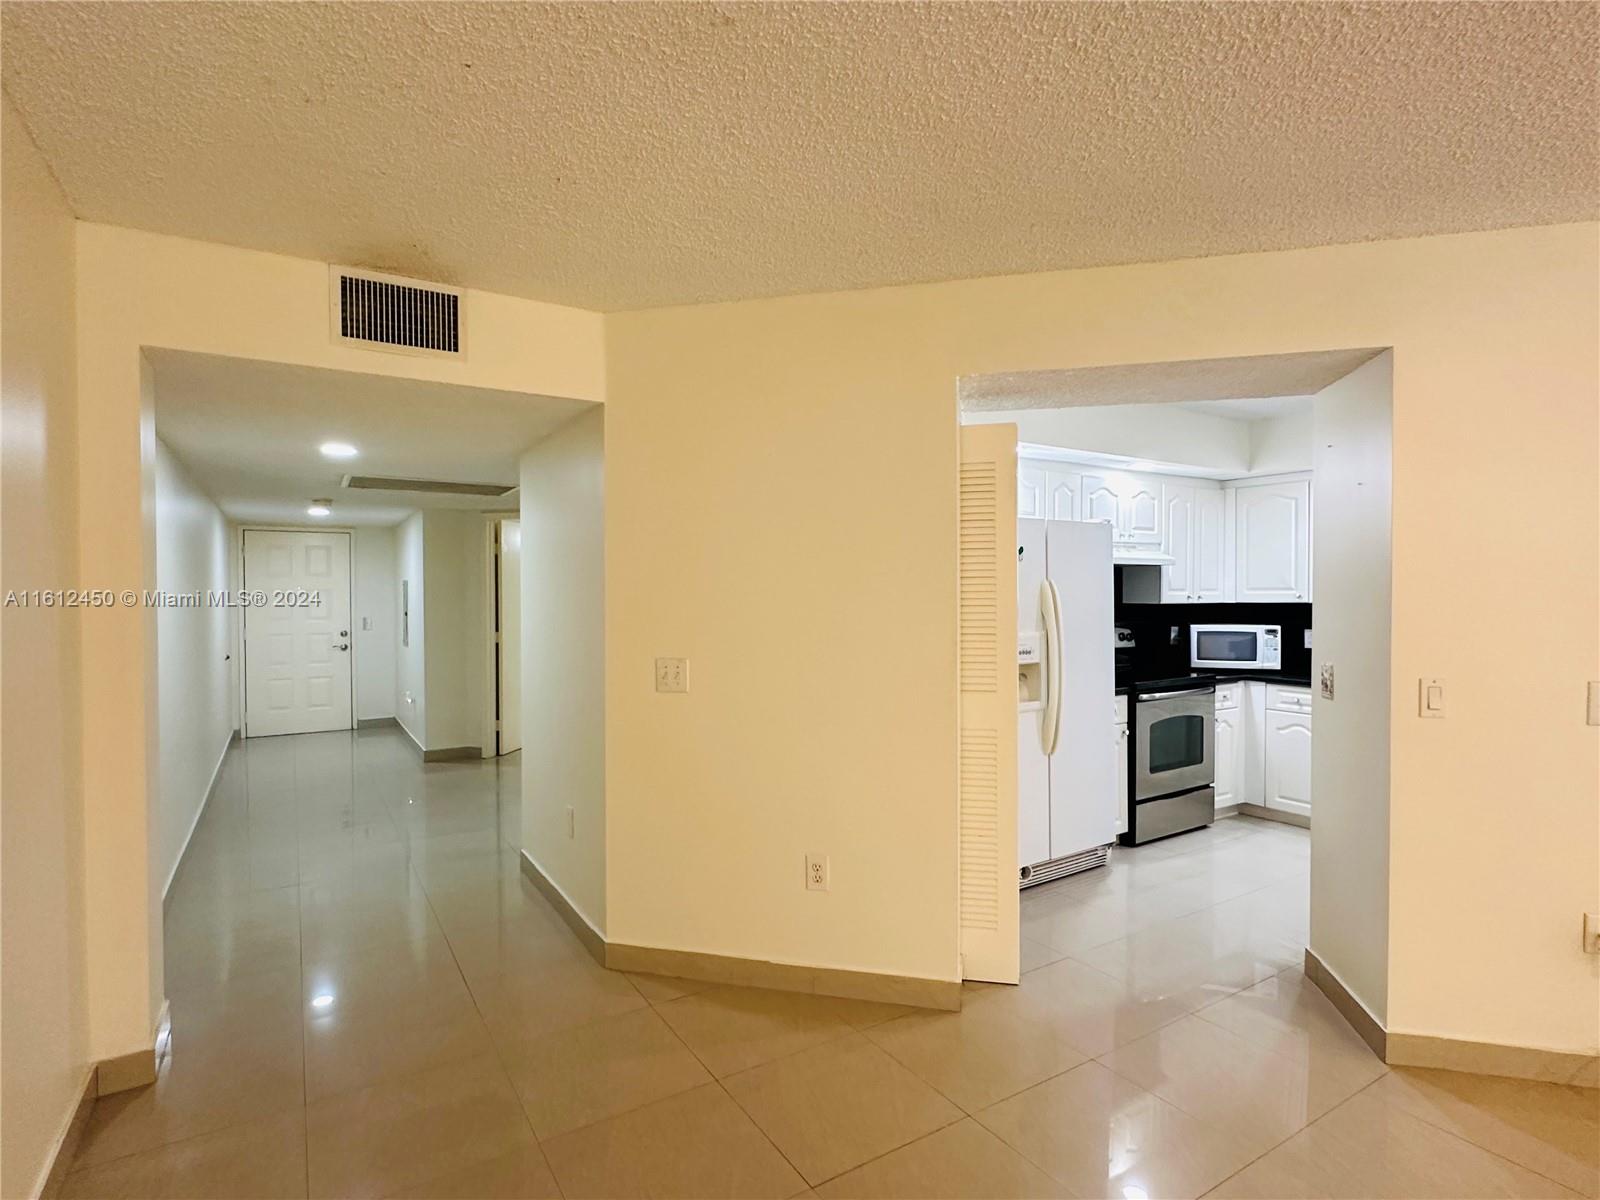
296 644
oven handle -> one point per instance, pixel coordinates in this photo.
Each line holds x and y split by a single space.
1169 695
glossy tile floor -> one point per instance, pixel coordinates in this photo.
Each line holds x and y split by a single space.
367 1000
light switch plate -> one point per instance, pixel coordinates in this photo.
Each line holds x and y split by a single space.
1593 713
1430 697
1591 933
672 674
1326 675
1308 639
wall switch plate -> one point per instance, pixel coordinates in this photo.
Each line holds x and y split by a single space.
816 872
1593 713
1430 697
366 624
572 822
1591 933
1308 639
1325 675
672 674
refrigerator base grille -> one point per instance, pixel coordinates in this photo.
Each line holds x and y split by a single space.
1071 864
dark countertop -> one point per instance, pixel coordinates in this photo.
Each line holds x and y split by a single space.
1214 677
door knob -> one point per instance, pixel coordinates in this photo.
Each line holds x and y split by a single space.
342 646
344 633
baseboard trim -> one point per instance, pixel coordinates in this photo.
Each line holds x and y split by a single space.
125 1072
593 941
376 722
66 1149
1492 1058
1350 1008
744 972
205 803
453 754
1272 814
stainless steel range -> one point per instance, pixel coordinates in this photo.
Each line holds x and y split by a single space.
1173 762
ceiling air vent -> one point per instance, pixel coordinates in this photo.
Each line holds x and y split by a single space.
384 483
390 312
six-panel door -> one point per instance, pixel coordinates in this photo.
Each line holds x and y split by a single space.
297 646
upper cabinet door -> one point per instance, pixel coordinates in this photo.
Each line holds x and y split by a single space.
1061 491
1208 541
1099 501
1177 581
1140 512
1272 542
1030 488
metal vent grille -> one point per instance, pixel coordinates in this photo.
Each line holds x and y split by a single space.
396 314
386 483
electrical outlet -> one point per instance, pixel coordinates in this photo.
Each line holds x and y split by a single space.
816 872
672 674
1326 675
572 822
1591 933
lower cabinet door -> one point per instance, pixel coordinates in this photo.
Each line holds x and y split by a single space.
1286 770
1226 758
1121 734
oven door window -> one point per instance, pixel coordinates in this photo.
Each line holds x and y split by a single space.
1176 743
1217 646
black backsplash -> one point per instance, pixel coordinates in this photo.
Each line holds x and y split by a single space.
1156 655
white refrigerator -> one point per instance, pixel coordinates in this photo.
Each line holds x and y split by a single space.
1067 769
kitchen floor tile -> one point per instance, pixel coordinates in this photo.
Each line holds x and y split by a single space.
963 1161
733 1028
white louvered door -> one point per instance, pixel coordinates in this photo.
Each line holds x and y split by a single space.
990 943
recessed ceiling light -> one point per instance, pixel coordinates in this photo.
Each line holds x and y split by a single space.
338 450
320 508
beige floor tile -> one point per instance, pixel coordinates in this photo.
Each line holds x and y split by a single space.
1289 1015
658 989
1036 954
401 1132
733 1028
1367 1150
1545 1127
1001 1042
959 1162
698 1144
520 1174
349 1049
1095 1012
598 1070
520 1008
263 1159
1251 1093
1103 1136
839 1104
205 1083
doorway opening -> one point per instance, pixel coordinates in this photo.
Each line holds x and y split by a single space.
1202 669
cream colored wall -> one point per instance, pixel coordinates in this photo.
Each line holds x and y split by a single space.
780 507
1352 481
564 700
1281 444
193 550
377 602
135 290
411 673
453 548
1158 432
44 1054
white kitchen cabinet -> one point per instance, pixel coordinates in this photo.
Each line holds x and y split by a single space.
1177 581
1061 491
1272 542
1225 758
1099 501
1131 504
1030 488
1286 769
1195 536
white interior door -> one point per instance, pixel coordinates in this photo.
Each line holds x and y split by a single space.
987 669
297 645
510 615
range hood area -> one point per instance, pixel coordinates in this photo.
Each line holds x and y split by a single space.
1140 556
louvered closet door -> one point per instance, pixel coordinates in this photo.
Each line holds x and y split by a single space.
988 679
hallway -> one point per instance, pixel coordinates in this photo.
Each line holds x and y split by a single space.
368 999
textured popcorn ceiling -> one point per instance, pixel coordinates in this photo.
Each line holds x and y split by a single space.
629 155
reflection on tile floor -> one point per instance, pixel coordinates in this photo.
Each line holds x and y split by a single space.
368 1000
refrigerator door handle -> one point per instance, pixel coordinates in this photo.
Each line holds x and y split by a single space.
1050 618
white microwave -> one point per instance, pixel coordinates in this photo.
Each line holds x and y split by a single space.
1236 647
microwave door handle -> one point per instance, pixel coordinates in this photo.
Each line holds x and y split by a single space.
1050 618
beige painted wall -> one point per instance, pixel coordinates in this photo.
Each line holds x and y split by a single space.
564 709
453 547
193 550
1158 432
780 507
136 290
1352 480
44 1052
